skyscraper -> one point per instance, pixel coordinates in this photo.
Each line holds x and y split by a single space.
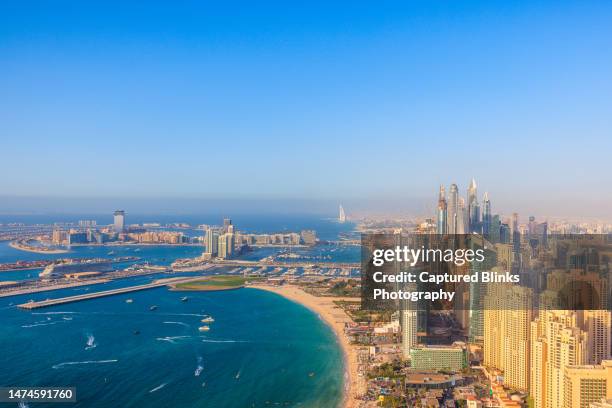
507 326
409 313
516 320
486 216
453 209
226 245
478 290
212 242
495 230
341 214
565 344
409 326
227 225
442 219
462 217
473 208
119 221
598 325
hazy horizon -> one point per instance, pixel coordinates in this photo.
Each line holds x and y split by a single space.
417 207
371 106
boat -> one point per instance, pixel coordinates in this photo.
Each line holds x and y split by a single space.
208 319
154 307
204 328
184 299
136 332
128 301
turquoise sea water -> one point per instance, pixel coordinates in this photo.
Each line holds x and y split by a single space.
262 350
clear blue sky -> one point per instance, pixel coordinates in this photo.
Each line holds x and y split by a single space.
325 100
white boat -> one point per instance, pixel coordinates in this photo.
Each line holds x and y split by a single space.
204 328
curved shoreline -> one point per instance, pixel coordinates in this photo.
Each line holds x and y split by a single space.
27 248
329 313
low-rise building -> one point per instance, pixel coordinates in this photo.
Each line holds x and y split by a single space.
454 358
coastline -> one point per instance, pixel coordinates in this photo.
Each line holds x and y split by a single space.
335 318
21 247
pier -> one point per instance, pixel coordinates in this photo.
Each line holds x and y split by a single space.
280 264
112 292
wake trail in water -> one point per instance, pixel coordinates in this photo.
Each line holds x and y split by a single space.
178 323
71 363
182 314
199 368
172 339
52 313
27 326
159 387
223 341
91 342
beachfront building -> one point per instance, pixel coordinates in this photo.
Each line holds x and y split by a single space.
587 384
452 358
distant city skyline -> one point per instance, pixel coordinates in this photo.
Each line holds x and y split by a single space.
414 207
364 105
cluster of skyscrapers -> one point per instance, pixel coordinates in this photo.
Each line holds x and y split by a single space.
220 242
88 231
560 356
225 241
455 216
458 215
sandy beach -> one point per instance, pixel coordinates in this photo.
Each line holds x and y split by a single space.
39 250
336 319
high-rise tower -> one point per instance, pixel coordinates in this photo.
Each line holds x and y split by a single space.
119 221
341 214
473 208
486 215
507 324
442 215
212 242
453 216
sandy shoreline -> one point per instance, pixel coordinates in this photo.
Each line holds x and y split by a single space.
27 248
335 318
